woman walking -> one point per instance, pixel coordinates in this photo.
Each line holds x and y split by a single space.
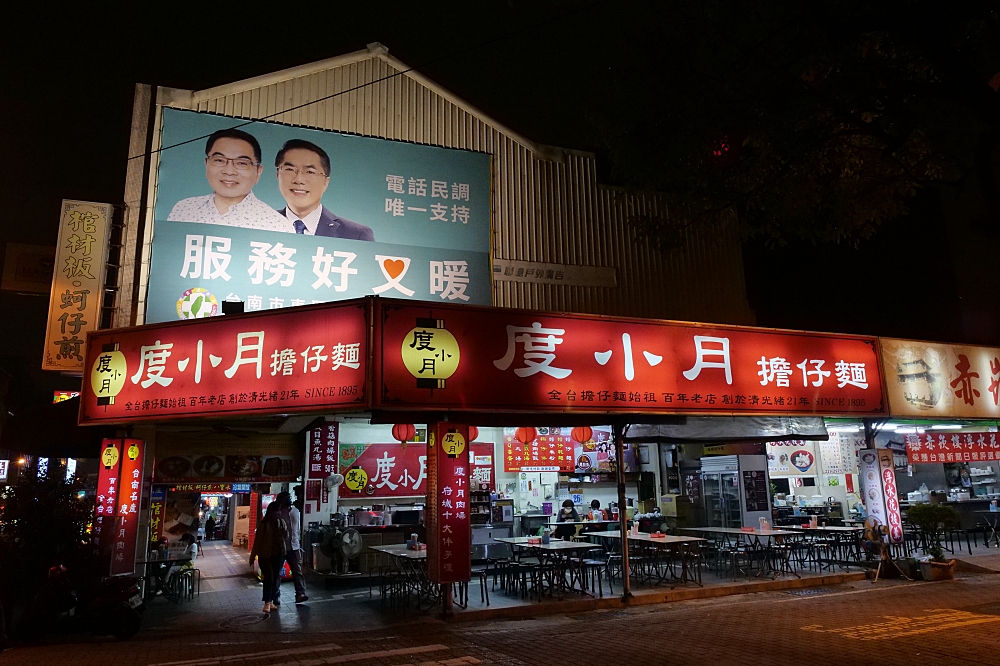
269 550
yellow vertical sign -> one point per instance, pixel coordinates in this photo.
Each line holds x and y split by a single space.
77 283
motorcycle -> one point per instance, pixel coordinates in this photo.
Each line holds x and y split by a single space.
109 606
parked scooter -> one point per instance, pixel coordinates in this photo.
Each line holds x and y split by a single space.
111 606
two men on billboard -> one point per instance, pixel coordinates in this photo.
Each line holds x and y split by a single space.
303 176
233 166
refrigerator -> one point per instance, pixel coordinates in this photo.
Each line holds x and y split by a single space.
735 490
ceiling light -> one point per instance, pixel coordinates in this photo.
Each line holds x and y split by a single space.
946 427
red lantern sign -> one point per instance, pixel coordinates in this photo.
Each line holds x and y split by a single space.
403 432
526 435
473 433
582 434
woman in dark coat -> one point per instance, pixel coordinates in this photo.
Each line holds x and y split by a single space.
269 550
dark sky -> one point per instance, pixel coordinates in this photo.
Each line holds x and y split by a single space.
66 96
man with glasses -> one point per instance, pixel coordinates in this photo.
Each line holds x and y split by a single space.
232 167
303 176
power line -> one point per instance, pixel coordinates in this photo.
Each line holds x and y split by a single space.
443 58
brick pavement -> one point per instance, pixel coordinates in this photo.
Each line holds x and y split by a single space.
889 623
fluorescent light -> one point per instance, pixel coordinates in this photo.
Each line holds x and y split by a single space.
890 426
905 431
946 427
844 429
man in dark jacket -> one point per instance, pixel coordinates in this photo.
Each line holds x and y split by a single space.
303 176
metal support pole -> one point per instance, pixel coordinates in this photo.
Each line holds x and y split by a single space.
619 435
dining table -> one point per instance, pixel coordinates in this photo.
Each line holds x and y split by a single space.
665 542
411 563
155 571
560 556
754 538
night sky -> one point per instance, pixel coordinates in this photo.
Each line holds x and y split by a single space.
67 87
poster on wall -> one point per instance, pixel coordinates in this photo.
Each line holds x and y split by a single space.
392 470
792 458
949 448
277 216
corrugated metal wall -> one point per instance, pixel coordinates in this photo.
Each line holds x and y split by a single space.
543 210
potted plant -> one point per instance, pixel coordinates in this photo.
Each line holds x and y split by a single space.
933 520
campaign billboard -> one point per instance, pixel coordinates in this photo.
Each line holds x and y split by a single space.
277 216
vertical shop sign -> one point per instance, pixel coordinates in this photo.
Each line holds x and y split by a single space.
323 451
77 278
449 551
891 497
254 517
157 498
107 495
128 507
871 485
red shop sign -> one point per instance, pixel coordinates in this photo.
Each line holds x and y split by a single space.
392 470
479 358
958 447
297 359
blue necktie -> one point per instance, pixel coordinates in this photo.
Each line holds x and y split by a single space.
300 227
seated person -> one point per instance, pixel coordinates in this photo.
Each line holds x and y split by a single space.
596 512
566 518
187 557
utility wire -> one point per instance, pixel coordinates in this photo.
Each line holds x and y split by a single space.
443 58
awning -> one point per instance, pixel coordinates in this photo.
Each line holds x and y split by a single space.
730 428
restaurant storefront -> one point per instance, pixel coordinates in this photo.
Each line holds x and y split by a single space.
553 398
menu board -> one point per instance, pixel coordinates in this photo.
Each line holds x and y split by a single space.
755 491
549 452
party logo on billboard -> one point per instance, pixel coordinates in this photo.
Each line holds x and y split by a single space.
197 302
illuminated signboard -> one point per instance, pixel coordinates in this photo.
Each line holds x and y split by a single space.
479 358
316 216
300 359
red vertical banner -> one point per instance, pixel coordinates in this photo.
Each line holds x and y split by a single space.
254 517
892 514
107 495
128 506
449 548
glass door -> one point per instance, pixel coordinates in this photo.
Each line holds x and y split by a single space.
715 509
730 493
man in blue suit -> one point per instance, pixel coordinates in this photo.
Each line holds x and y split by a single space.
303 176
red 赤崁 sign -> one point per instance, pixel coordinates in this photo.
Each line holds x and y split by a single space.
275 362
393 470
957 447
478 358
128 506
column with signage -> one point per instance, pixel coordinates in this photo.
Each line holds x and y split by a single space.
322 459
107 496
128 505
449 547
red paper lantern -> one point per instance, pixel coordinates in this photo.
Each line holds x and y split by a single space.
582 434
404 432
525 435
473 433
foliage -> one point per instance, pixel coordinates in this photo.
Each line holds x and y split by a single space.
43 522
933 520
813 121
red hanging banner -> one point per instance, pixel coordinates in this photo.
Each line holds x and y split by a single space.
449 548
107 496
394 470
128 507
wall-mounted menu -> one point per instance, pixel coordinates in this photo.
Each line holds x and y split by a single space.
755 491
